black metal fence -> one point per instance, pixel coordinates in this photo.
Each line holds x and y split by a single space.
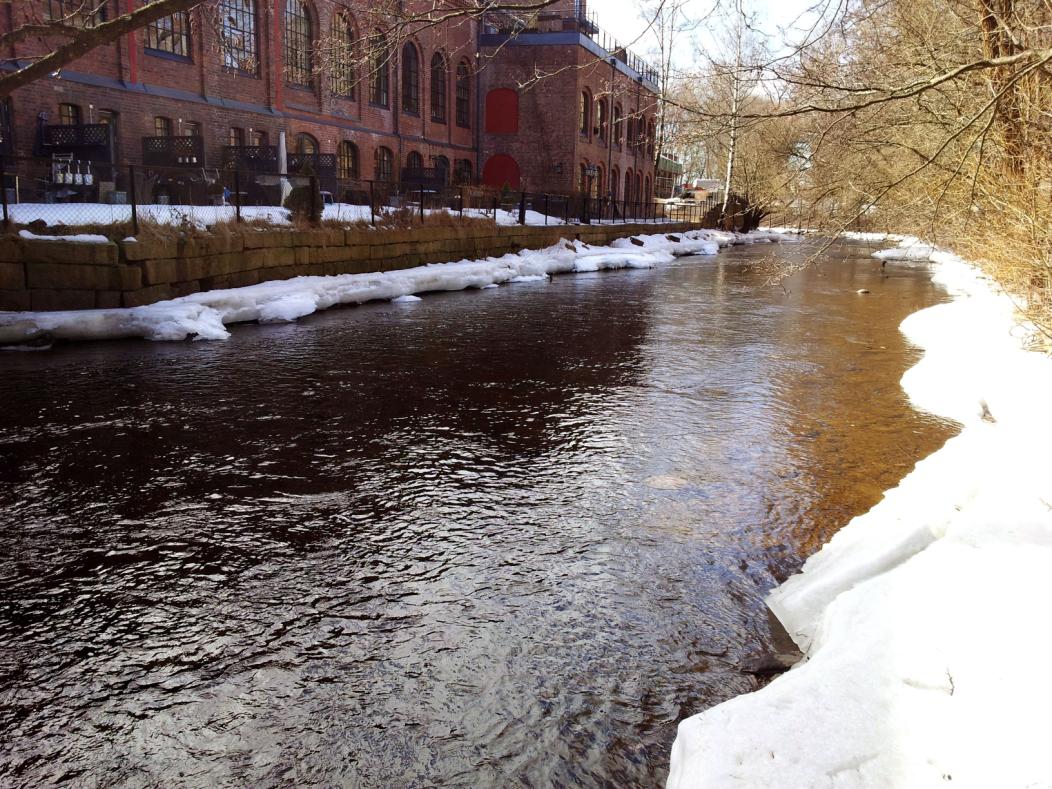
62 191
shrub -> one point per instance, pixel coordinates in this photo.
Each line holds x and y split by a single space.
305 203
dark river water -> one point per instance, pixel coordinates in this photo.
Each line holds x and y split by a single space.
497 538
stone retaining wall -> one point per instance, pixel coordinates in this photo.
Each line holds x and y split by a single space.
62 275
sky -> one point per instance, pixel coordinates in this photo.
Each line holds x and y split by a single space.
621 18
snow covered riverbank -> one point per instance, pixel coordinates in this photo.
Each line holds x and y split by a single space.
922 621
205 315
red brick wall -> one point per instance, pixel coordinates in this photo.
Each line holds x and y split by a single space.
548 145
133 81
137 75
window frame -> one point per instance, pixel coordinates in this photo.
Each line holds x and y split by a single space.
342 81
70 114
439 88
410 85
383 160
348 151
298 44
380 72
463 95
243 41
154 30
72 10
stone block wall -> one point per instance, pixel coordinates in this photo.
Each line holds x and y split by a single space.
45 275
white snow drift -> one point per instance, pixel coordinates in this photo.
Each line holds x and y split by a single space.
922 621
205 315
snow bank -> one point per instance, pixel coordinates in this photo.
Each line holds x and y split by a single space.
909 249
80 238
205 315
915 617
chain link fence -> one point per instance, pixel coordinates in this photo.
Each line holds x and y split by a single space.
79 196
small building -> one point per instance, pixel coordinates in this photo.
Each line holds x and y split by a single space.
667 177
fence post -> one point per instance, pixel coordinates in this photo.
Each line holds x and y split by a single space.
494 209
546 200
133 198
3 187
372 204
462 202
237 196
522 208
315 209
421 203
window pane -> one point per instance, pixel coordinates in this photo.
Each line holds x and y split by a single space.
238 34
299 37
170 34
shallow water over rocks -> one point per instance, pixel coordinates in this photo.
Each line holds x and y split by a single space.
496 538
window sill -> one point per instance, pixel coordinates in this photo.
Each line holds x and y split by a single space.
240 72
410 113
463 125
440 121
160 53
379 106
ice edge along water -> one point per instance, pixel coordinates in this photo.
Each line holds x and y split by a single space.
922 621
205 315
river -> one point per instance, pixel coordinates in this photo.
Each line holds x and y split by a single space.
506 537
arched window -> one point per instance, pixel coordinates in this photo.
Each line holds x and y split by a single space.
414 161
410 79
597 182
68 114
602 121
342 78
651 137
383 164
237 35
615 183
637 188
628 186
170 34
582 177
585 112
299 42
630 139
462 172
347 160
439 88
502 111
306 145
464 95
442 163
646 189
162 127
619 126
380 76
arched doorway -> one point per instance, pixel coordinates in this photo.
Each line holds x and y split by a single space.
501 170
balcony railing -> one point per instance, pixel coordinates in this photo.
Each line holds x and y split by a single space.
260 159
173 151
320 164
431 177
512 24
90 141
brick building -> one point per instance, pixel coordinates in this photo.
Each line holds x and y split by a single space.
234 82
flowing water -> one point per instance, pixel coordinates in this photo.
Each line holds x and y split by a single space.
498 538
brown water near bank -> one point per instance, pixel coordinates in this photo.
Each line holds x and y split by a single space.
507 537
